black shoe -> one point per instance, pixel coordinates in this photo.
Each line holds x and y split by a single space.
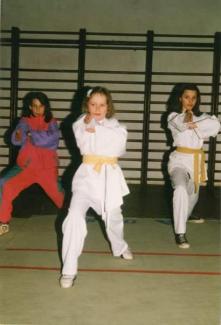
181 241
195 219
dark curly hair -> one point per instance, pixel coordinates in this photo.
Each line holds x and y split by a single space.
43 99
174 104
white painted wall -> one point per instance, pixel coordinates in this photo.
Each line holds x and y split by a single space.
135 16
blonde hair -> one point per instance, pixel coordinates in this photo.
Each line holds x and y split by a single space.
102 91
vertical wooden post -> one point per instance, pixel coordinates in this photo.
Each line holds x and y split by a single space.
214 107
14 83
147 98
81 57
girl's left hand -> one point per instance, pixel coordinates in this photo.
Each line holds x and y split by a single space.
91 130
191 125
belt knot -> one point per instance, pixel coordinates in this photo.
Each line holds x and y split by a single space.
99 161
197 153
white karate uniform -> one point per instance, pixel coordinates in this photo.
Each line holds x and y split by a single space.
181 165
102 191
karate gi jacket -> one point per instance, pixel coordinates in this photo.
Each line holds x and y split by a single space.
207 126
106 188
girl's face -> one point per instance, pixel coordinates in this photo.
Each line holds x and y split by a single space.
188 100
97 106
37 108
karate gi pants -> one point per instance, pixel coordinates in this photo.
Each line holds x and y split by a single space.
184 198
75 231
46 178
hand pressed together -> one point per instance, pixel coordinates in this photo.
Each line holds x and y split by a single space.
191 125
88 118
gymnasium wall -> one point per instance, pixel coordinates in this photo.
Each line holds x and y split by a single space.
121 68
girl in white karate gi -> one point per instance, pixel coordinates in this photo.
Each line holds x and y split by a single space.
186 165
98 183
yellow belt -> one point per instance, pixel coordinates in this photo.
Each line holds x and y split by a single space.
98 161
196 153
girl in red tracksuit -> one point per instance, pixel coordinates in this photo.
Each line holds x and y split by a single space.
38 135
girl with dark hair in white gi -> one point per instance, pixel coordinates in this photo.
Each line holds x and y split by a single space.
186 167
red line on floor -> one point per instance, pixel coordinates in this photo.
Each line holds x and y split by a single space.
108 253
178 254
21 267
42 268
32 249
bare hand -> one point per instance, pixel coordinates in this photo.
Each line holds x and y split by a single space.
87 119
18 135
91 130
188 117
191 125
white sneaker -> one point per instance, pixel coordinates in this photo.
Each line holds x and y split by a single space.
66 281
196 219
4 228
127 254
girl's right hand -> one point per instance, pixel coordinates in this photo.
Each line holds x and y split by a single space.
87 118
18 135
188 117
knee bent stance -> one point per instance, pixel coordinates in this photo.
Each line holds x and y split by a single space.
8 191
181 178
180 190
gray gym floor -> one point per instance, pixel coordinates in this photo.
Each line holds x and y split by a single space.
163 285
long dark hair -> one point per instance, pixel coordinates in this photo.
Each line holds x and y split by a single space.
174 104
43 99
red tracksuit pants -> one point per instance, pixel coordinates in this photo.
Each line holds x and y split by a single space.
46 178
